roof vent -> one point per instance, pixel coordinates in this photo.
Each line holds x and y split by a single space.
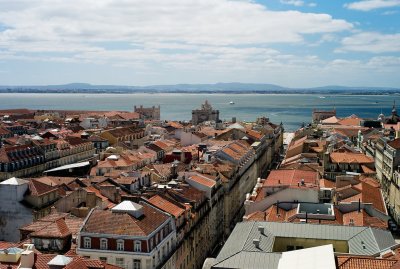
129 207
60 260
261 229
113 157
256 243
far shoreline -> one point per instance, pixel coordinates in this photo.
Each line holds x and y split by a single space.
323 94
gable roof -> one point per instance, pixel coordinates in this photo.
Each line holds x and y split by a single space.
166 205
37 188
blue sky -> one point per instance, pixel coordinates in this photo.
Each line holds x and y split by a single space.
295 43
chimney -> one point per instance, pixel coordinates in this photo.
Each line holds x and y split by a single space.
277 207
53 210
256 243
261 229
28 256
117 195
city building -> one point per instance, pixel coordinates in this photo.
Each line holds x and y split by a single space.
148 113
320 115
130 235
205 113
256 244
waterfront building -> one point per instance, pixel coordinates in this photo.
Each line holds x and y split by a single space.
205 113
319 115
148 113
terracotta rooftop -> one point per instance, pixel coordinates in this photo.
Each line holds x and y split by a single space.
331 120
166 205
42 260
291 178
55 225
368 194
351 121
325 183
395 143
37 188
203 180
362 218
348 157
351 262
255 134
108 222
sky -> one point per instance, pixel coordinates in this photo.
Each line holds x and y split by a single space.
292 43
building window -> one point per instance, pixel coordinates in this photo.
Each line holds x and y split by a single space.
87 242
289 248
120 262
103 259
136 264
120 245
103 243
137 246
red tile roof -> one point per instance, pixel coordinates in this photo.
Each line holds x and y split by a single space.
368 194
4 244
291 178
42 260
55 225
203 180
350 121
37 188
166 205
395 143
108 222
349 157
348 262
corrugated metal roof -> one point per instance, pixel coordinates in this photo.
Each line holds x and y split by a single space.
68 166
251 260
240 244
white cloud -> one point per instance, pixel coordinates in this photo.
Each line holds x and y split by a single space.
296 3
371 42
368 5
171 41
384 61
75 24
390 12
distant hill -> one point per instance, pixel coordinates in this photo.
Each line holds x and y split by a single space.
233 87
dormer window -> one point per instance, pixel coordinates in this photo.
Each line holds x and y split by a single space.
137 246
120 244
103 243
87 242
